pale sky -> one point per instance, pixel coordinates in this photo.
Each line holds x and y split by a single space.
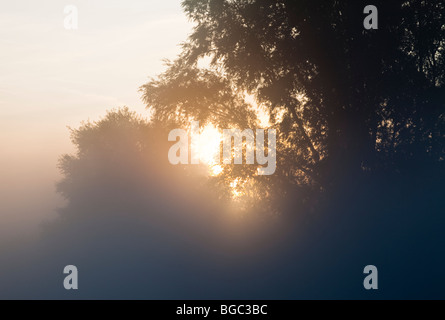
51 78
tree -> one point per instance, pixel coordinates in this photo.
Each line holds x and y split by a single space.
353 101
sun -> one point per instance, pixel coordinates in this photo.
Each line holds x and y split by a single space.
207 146
216 170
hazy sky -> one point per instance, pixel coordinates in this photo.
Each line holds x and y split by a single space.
51 78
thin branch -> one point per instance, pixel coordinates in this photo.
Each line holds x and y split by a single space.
306 138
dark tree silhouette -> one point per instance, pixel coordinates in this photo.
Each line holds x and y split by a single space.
356 103
360 116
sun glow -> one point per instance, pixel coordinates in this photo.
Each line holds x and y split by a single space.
236 187
207 143
216 170
207 146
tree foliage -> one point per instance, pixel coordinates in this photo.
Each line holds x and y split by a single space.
348 103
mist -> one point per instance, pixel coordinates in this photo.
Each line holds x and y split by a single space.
138 227
86 181
52 78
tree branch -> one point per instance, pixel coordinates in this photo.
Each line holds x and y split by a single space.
306 138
